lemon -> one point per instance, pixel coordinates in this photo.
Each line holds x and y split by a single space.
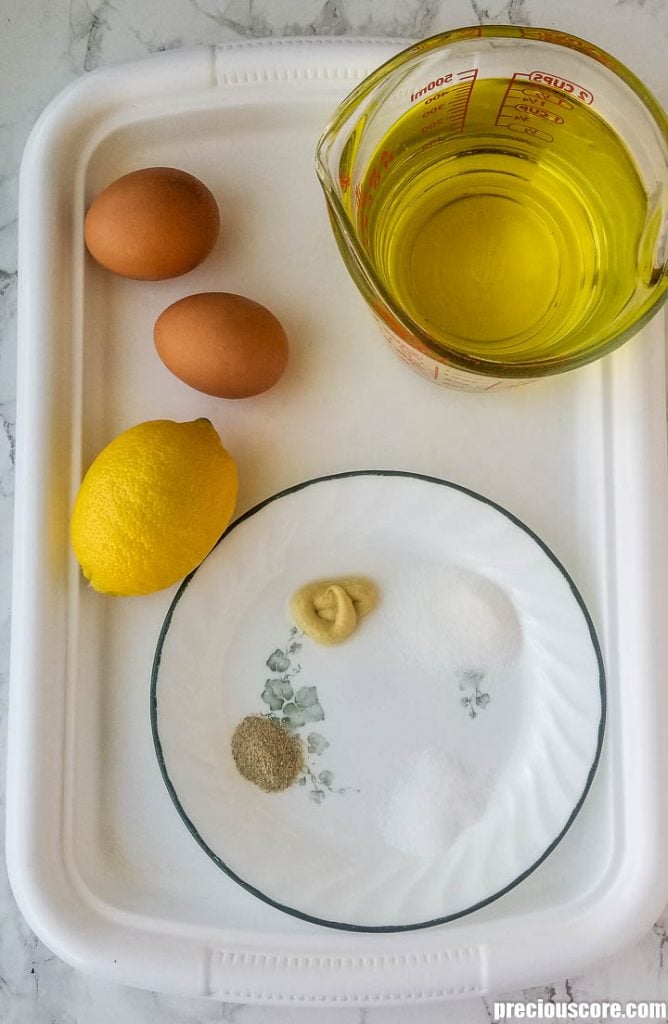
152 505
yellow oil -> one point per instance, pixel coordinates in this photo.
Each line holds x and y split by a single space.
506 221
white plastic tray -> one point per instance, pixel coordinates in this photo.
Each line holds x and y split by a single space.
100 863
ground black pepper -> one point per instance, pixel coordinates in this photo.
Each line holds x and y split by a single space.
266 753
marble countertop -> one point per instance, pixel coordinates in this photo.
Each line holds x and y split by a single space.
44 45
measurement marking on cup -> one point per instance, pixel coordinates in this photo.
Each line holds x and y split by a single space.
364 194
548 96
536 133
472 75
437 83
524 104
453 101
538 111
563 85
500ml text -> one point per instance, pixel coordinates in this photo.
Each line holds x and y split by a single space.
436 83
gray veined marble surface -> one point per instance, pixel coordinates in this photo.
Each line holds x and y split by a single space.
44 45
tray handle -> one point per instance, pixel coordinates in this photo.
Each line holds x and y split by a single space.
341 979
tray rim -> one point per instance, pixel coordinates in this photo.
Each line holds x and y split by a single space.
58 905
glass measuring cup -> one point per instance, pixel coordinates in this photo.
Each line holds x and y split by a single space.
499 196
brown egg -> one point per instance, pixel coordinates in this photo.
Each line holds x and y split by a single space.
222 344
152 224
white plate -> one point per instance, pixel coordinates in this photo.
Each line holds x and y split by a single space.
452 739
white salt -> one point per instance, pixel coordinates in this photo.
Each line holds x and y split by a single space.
450 621
432 803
